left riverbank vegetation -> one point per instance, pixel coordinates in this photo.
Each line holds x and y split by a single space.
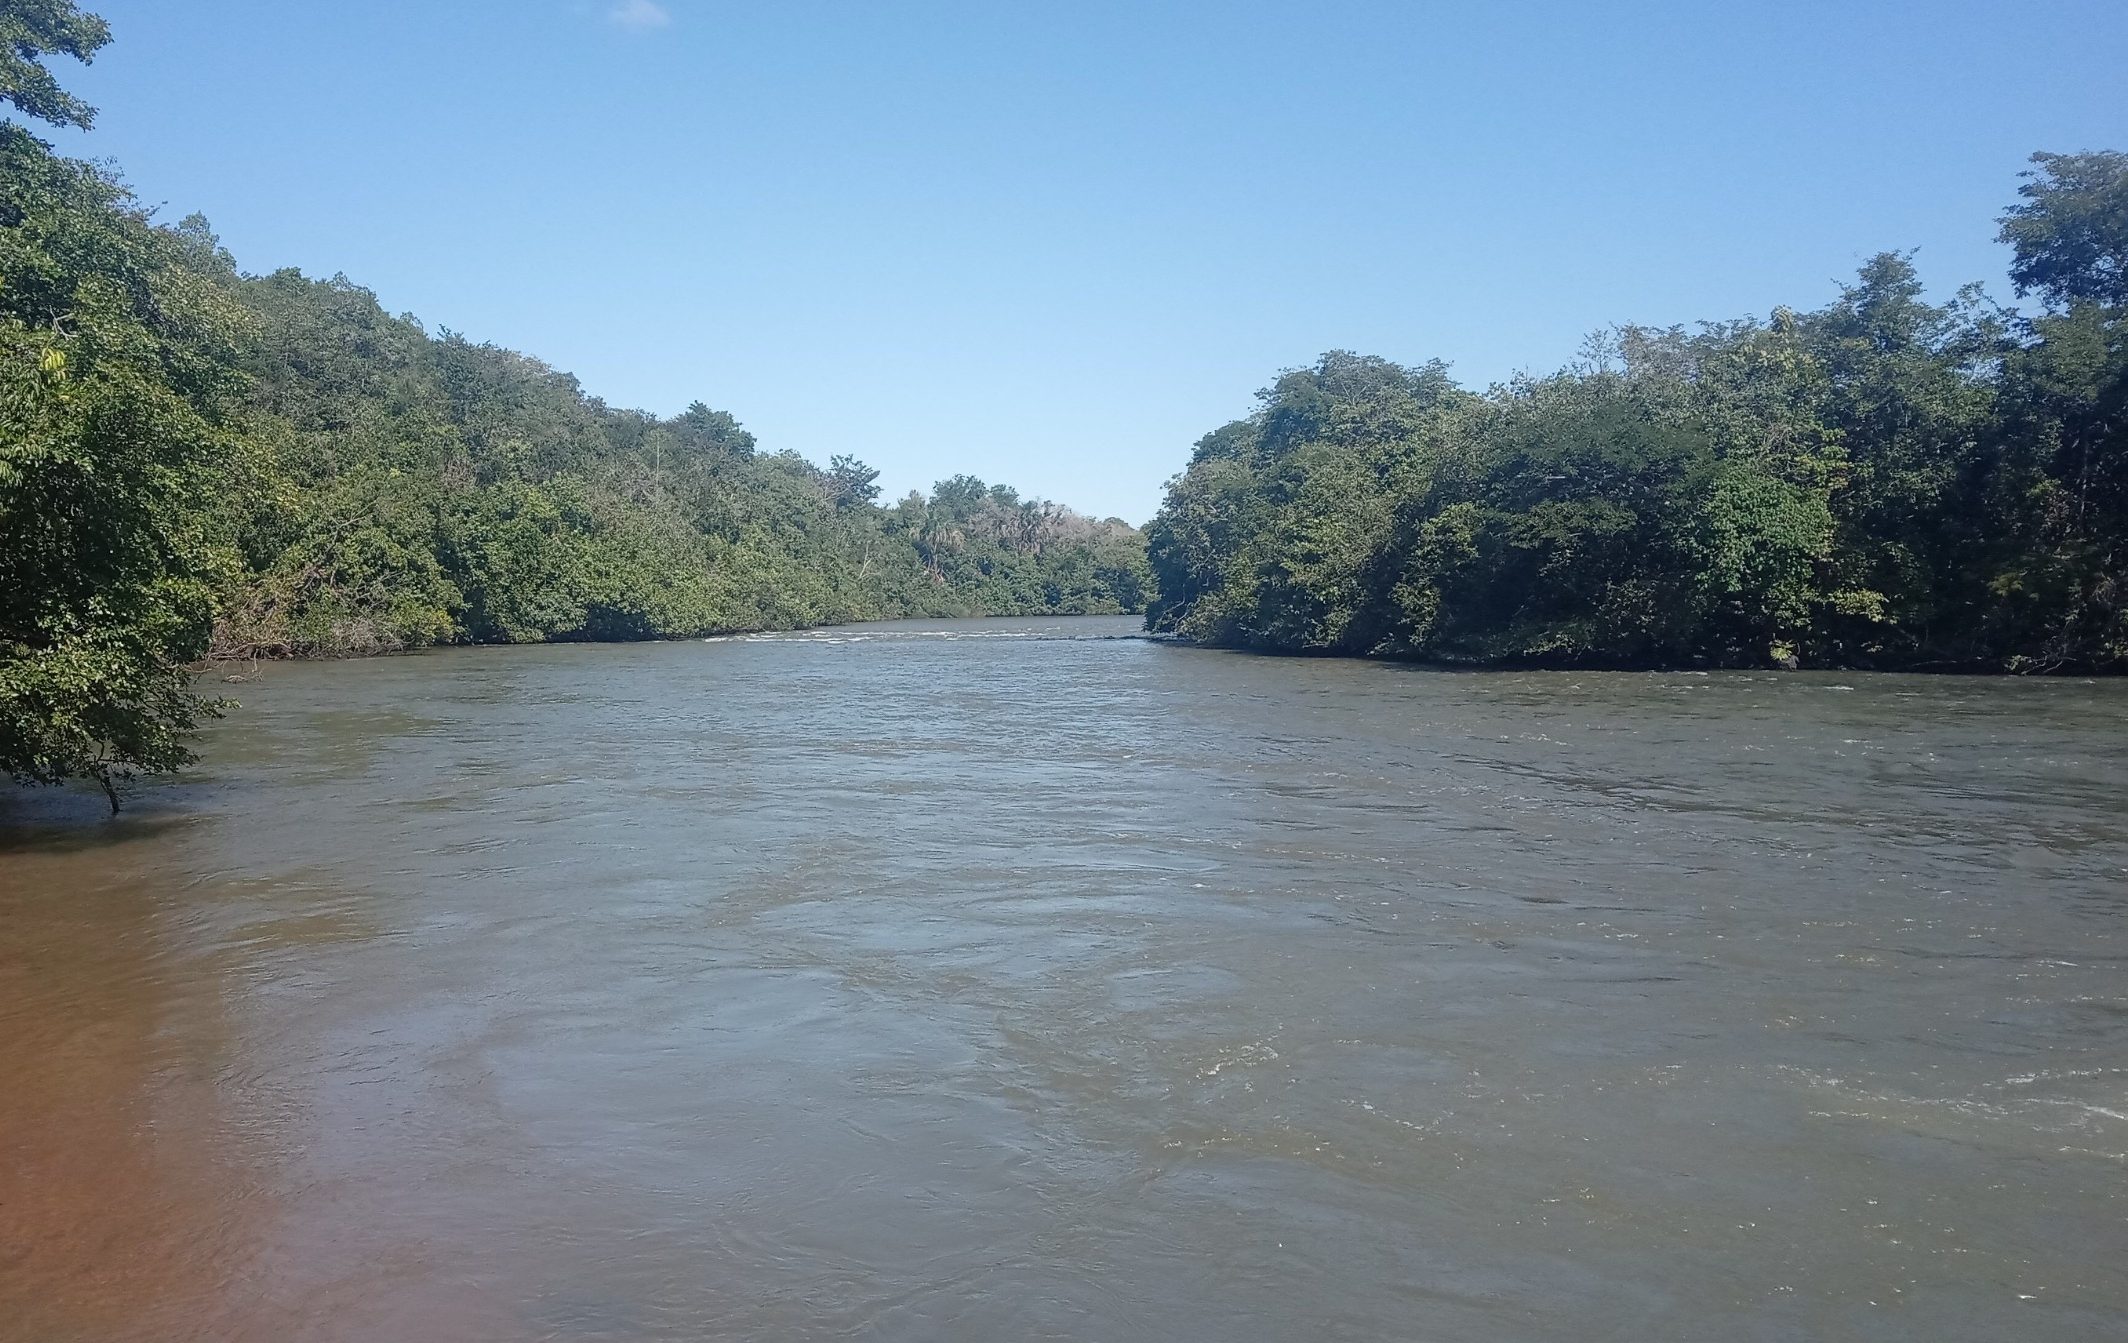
1884 482
200 463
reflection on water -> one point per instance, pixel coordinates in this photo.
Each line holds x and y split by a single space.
1023 980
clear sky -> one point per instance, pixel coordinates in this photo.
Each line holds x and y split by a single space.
1052 244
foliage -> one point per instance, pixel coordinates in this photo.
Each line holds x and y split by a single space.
411 490
1884 483
1009 555
118 382
30 30
2071 233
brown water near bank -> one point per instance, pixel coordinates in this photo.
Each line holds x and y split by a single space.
1014 980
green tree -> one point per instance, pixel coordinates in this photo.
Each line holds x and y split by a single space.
30 30
2070 233
853 483
118 373
1885 482
2057 468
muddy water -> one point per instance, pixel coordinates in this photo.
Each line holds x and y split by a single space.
1019 981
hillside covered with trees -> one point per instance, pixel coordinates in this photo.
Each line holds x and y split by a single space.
198 462
1882 483
395 489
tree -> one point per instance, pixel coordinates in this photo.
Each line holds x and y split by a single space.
2057 484
33 29
118 375
1886 482
118 369
2071 232
853 484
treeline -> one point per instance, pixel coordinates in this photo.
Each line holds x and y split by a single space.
196 463
1882 483
398 489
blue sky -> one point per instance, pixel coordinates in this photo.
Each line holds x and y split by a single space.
1052 244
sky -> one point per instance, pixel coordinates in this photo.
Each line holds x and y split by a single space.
1053 244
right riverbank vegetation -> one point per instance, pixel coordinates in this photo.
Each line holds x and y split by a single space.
201 463
1882 483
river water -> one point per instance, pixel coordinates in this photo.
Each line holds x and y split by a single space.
1024 980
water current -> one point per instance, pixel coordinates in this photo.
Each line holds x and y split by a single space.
1023 980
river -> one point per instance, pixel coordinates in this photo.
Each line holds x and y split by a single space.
1019 980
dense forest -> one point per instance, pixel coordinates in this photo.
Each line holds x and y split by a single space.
1882 483
196 462
397 490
